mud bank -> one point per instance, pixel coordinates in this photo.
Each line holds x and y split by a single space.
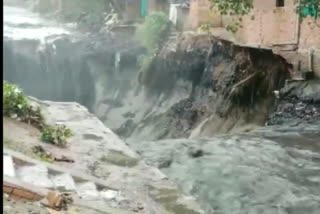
196 86
224 86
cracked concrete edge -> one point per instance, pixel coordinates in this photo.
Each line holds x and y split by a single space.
56 169
19 189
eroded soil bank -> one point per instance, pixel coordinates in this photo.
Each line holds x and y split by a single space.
195 86
222 87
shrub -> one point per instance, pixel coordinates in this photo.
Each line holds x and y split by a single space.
152 34
15 105
233 7
309 8
154 31
56 135
232 28
44 157
204 28
42 154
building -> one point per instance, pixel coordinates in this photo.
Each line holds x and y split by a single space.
272 24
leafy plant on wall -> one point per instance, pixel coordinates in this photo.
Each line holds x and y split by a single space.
309 8
233 7
243 7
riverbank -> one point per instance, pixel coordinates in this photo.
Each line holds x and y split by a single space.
98 152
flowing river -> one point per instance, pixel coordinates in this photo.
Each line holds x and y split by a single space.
272 170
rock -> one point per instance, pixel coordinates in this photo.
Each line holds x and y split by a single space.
109 194
196 153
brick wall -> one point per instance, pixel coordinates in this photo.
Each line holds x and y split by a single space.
200 13
266 26
21 193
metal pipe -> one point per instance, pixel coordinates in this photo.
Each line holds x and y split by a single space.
310 61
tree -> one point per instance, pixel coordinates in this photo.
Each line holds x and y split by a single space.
154 31
309 8
152 34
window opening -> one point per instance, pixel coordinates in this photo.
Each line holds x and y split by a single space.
280 3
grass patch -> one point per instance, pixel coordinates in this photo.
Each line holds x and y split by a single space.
19 147
41 154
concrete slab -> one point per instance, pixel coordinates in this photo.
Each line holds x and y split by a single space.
58 170
36 175
8 166
87 190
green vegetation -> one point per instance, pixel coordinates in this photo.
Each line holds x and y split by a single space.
56 135
233 7
20 147
154 31
152 34
232 28
243 7
45 158
16 105
204 28
309 8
